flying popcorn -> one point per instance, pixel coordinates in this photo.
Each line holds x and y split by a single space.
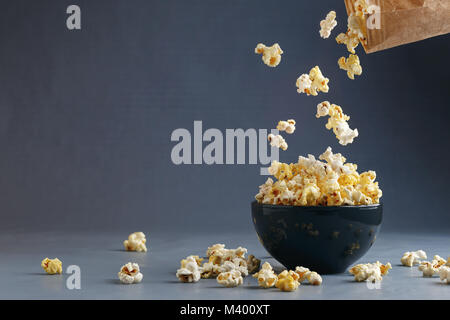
351 65
266 276
328 24
305 274
412 258
431 268
136 242
277 141
52 266
288 126
230 279
312 83
370 272
287 281
337 121
189 271
444 274
270 55
130 273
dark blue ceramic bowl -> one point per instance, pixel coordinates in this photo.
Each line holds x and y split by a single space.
324 239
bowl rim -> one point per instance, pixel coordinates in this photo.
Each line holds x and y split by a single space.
274 206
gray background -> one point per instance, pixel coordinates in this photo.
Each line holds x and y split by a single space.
86 116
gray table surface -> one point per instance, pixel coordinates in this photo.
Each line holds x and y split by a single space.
100 257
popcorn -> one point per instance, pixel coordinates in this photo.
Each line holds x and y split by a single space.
288 126
223 260
230 279
337 121
351 65
270 55
305 274
266 277
287 281
277 141
189 271
411 258
444 274
328 24
370 272
238 264
217 247
129 273
52 266
312 82
311 182
350 40
136 242
197 259
253 264
431 268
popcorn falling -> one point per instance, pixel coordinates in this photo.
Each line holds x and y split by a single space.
288 126
277 141
313 82
270 55
351 65
327 25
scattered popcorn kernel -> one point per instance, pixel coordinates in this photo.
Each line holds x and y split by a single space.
412 258
304 84
337 121
253 264
431 268
266 276
52 266
270 55
351 65
370 272
197 259
216 247
288 126
444 274
230 279
286 281
190 270
129 273
136 242
350 40
277 141
209 270
312 83
305 274
328 24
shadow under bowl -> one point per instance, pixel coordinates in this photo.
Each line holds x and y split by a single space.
324 239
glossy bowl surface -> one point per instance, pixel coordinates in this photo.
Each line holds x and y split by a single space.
324 239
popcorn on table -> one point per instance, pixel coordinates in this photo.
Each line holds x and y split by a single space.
224 260
229 279
351 65
328 24
444 274
52 266
412 258
287 281
130 273
253 264
305 274
277 141
288 126
312 83
370 272
189 270
337 121
311 182
266 276
136 242
431 268
270 55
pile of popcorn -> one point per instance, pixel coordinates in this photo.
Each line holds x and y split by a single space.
438 265
311 182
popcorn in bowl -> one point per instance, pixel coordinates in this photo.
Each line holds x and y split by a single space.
271 56
311 182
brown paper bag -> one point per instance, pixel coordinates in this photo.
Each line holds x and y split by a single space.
396 22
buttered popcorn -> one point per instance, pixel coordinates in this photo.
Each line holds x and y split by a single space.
52 266
337 121
136 242
287 281
371 272
328 24
270 55
312 83
288 126
311 182
130 273
230 279
412 258
277 141
266 276
351 65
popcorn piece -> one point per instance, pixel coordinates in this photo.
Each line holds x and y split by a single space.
270 55
197 259
129 273
277 141
412 258
431 268
350 40
444 274
230 279
337 121
312 83
328 24
287 281
52 266
370 272
305 274
253 264
189 271
357 30
210 270
351 65
136 242
217 247
266 277
237 263
288 126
